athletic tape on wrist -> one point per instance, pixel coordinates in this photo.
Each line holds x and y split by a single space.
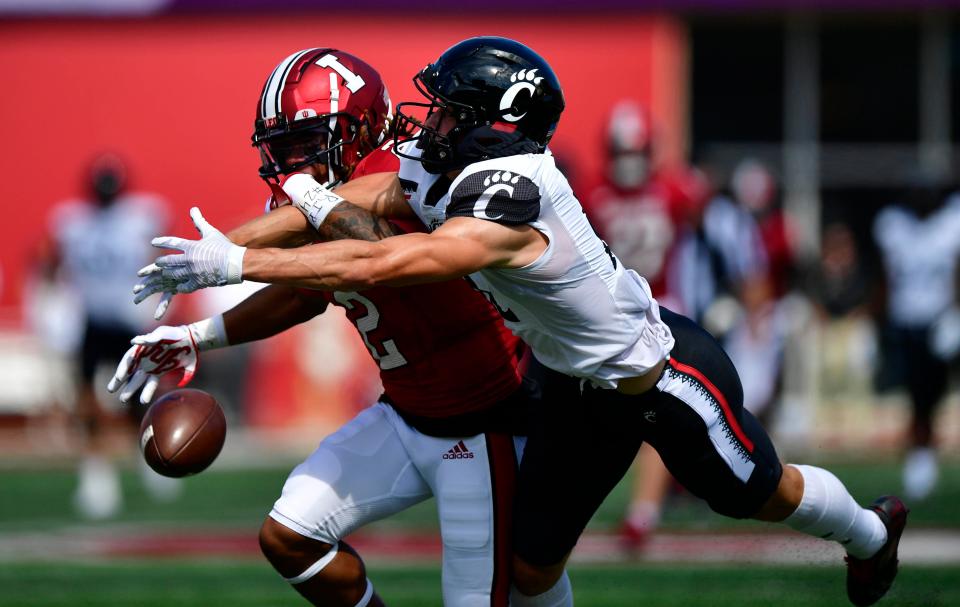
315 568
209 333
313 199
235 265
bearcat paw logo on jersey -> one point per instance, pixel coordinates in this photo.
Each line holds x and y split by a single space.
523 81
504 177
494 184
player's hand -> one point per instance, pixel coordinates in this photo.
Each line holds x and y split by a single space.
164 350
212 261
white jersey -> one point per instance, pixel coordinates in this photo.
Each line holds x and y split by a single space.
102 249
920 257
580 311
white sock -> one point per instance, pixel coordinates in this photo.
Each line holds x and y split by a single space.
828 511
644 515
98 495
560 595
920 472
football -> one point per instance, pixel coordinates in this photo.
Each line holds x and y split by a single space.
182 433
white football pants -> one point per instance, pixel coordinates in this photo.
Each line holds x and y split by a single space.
377 465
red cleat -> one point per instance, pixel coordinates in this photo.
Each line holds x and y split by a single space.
869 579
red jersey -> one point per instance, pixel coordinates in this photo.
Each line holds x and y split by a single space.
640 224
441 348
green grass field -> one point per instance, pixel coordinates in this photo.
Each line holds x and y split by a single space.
39 502
242 584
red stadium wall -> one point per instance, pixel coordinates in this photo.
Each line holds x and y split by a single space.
177 95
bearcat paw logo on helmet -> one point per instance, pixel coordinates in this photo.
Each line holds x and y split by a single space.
499 177
524 80
525 75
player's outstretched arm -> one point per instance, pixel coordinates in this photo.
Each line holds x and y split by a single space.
268 312
348 221
176 349
283 227
459 247
379 194
371 199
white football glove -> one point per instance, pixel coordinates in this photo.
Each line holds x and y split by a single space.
212 261
163 350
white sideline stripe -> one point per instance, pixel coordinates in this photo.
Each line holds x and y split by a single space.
315 568
921 547
708 410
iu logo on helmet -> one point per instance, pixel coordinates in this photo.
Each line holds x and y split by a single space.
523 81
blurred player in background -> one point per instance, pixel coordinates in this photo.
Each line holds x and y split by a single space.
631 207
919 242
94 243
619 368
454 397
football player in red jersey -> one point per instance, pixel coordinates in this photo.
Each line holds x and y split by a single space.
454 396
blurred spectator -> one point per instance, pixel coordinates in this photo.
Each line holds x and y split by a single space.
754 186
757 340
919 242
840 291
717 252
838 285
95 246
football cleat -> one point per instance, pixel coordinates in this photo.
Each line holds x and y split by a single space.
634 539
869 579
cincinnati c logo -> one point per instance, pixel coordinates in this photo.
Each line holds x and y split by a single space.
494 184
524 81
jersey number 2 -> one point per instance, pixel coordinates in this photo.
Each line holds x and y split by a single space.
391 358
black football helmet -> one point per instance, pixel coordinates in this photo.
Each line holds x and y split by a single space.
504 98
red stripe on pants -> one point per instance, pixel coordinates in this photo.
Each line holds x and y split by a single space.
727 413
503 480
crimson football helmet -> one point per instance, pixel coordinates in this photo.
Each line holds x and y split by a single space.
320 105
630 141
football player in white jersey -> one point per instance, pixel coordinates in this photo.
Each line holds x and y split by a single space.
94 242
921 286
619 369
